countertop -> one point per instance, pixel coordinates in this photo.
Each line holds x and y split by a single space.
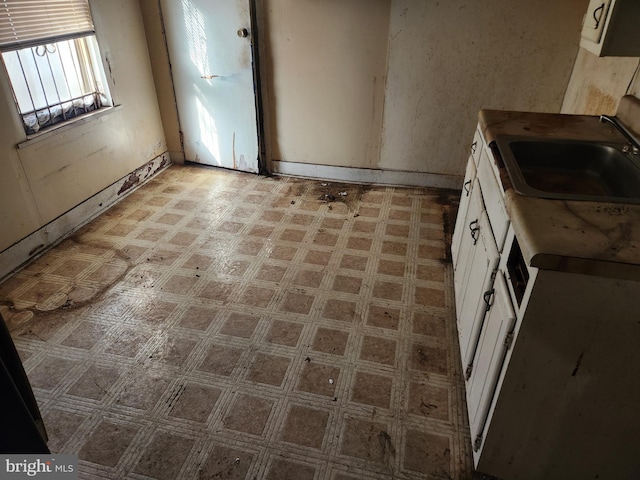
592 238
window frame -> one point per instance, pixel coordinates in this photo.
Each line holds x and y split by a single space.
48 97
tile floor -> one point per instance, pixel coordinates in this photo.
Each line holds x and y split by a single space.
222 325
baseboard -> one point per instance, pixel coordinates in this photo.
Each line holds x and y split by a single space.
35 244
366 175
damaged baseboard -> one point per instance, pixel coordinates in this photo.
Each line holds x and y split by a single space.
38 242
366 175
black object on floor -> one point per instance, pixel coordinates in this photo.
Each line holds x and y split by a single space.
22 426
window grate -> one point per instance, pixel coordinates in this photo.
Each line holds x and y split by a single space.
55 82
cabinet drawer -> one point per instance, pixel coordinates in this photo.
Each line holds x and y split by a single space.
477 146
493 201
465 199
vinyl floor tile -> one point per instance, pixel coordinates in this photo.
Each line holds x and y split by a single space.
215 324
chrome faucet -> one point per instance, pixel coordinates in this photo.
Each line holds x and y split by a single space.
634 143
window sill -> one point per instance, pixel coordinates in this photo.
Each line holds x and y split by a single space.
69 124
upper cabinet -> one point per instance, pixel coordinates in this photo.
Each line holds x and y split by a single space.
612 28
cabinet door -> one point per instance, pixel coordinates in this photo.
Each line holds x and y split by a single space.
493 199
477 145
610 28
489 358
468 237
476 282
465 199
594 20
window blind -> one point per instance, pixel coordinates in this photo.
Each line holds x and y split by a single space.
25 23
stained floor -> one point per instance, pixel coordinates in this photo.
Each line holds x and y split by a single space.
222 325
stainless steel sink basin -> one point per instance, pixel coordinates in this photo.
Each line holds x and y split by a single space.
571 170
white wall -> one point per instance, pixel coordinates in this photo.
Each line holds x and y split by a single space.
446 61
326 64
44 177
161 68
598 83
449 59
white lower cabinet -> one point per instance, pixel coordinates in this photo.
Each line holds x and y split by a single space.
495 339
472 301
465 201
549 356
464 240
475 254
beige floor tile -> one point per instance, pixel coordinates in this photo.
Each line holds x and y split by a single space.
215 324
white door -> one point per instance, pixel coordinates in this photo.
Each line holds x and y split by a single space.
209 44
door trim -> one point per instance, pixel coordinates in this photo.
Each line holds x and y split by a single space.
260 93
259 85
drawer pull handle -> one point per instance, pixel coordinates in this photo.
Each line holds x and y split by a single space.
488 295
467 187
474 145
474 231
597 17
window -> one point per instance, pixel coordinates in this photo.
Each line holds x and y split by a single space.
51 56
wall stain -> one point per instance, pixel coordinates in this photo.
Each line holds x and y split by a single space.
599 102
106 59
37 249
577 367
233 146
75 297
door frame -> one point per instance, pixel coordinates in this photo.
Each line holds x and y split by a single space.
258 52
260 90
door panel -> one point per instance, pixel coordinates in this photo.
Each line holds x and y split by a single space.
479 277
489 358
460 228
213 78
465 241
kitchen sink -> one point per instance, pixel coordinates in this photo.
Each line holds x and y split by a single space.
571 170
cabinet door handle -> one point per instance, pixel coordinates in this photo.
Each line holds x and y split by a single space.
467 187
474 145
474 231
488 295
597 17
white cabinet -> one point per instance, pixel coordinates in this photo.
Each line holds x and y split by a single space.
610 28
467 234
477 279
474 250
484 311
476 146
547 354
465 199
594 20
493 198
495 340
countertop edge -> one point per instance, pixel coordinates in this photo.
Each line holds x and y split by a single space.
591 238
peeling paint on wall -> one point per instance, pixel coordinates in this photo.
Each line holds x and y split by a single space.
143 173
129 183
